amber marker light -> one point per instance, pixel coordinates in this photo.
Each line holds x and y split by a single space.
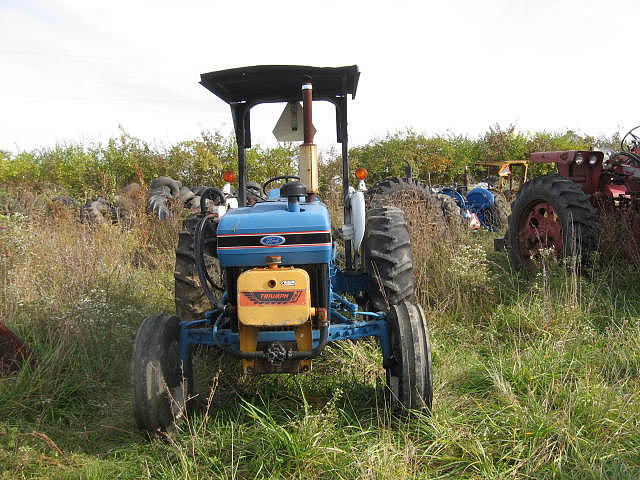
229 177
361 173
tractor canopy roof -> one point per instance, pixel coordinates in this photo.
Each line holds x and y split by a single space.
243 88
280 83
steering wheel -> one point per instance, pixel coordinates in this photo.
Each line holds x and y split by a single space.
631 141
275 179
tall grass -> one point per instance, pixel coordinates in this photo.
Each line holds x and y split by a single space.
536 376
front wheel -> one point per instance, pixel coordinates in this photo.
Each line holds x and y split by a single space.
160 382
408 371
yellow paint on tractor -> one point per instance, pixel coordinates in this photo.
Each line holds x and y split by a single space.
270 297
274 297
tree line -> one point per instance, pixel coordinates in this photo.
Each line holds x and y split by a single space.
85 168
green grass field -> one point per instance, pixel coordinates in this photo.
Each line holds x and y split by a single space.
536 376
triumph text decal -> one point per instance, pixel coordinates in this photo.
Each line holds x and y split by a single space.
272 297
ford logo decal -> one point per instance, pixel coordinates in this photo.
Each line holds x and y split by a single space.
272 240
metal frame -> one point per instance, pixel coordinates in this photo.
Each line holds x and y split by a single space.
344 326
346 322
501 185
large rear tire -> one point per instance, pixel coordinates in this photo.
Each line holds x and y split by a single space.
392 188
161 386
191 301
413 197
497 216
387 258
408 371
450 210
551 216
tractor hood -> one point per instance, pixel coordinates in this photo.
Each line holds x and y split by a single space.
248 235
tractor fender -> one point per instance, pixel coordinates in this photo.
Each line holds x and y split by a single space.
232 202
457 196
615 191
357 202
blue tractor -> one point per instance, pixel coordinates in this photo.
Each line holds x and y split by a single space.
490 209
261 283
479 208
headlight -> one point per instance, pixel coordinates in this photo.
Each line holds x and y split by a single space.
579 160
593 159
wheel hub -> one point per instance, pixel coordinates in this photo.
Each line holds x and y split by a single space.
541 230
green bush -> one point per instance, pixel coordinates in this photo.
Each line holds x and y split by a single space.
442 159
85 169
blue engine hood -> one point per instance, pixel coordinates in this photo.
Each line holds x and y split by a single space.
247 235
480 199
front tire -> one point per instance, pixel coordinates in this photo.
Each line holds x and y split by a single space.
161 384
408 371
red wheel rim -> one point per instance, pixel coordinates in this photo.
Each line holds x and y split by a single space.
540 230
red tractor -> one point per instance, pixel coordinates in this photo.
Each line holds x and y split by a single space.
13 352
558 215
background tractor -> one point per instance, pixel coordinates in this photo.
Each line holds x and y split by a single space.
480 207
261 282
13 352
505 178
558 215
443 207
488 202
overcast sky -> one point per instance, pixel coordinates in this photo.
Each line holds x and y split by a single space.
76 69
